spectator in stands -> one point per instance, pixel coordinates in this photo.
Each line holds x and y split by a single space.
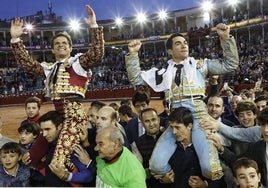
261 102
192 74
125 114
32 109
55 173
3 139
227 95
134 128
246 112
28 133
246 173
66 79
114 105
213 87
265 91
125 102
144 145
215 107
95 106
128 102
256 134
116 165
86 154
247 95
106 117
233 104
13 173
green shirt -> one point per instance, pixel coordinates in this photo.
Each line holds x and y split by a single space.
127 172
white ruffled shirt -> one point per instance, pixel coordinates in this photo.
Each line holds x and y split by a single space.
189 72
73 61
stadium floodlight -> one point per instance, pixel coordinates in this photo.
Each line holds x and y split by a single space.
28 30
29 27
162 15
207 6
141 18
119 21
75 25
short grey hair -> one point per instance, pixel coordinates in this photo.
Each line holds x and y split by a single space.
114 134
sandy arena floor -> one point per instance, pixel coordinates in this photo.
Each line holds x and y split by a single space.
13 115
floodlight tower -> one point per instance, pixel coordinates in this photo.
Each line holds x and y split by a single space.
162 16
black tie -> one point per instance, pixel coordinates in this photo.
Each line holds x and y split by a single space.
159 77
178 74
54 74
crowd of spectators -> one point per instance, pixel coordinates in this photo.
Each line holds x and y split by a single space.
229 16
111 73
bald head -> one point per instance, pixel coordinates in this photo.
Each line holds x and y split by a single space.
215 106
106 116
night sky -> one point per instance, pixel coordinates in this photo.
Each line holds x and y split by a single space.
104 9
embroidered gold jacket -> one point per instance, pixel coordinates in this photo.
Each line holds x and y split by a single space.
72 75
193 75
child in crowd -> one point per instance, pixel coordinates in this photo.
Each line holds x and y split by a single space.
28 132
246 173
13 173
